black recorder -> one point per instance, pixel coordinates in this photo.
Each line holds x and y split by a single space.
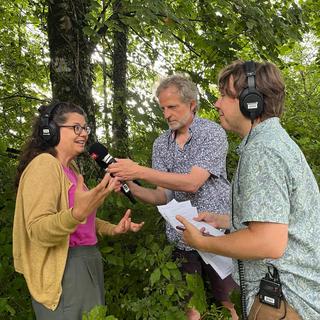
270 291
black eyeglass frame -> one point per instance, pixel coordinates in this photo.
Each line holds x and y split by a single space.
78 129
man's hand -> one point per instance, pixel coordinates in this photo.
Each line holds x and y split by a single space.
125 169
191 235
125 224
219 221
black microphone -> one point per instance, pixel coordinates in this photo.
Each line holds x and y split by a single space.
100 154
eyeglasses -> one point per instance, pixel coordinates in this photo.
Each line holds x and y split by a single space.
78 129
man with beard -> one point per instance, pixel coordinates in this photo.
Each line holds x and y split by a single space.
189 163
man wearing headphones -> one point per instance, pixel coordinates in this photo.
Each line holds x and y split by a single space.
275 201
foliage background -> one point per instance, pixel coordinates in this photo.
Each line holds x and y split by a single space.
197 37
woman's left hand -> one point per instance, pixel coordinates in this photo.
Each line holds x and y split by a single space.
125 224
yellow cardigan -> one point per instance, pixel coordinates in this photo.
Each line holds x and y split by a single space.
41 228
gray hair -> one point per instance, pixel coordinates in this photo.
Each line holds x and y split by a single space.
187 89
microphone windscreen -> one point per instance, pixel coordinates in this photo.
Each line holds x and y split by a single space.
100 154
98 151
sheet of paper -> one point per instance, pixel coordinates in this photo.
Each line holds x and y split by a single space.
222 265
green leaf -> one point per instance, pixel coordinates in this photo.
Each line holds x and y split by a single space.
171 265
155 276
181 293
166 273
198 299
5 307
88 30
170 289
176 274
106 250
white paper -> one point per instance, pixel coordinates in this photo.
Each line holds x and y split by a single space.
222 265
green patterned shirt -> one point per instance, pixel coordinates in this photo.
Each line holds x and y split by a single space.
274 183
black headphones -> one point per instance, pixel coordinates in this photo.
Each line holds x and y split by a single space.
48 130
251 100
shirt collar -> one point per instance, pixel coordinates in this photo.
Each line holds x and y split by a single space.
270 123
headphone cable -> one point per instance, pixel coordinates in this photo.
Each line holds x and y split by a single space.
240 262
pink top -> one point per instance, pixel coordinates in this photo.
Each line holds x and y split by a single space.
85 234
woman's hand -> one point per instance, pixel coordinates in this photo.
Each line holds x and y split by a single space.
219 221
85 202
117 186
125 224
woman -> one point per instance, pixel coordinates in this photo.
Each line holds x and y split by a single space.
55 224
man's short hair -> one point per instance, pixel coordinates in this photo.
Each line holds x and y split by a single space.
186 88
268 82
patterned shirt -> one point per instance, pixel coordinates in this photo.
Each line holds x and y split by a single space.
274 183
206 148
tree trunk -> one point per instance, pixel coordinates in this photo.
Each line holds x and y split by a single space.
70 53
107 110
119 79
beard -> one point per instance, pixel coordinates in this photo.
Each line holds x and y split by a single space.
178 124
175 125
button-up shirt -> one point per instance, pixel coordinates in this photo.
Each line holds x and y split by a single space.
206 148
274 183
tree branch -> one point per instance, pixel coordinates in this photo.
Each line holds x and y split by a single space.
188 45
102 31
150 46
16 95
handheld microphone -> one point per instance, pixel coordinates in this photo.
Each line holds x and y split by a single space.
100 154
